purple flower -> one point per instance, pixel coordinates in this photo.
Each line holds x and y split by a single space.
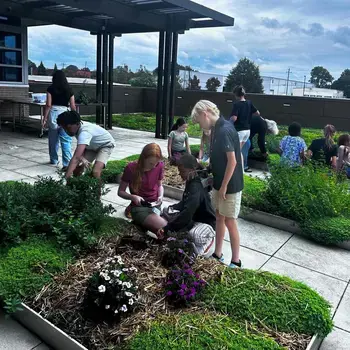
185 240
183 286
202 282
181 292
181 251
196 284
186 266
169 293
189 272
197 276
169 283
193 290
171 239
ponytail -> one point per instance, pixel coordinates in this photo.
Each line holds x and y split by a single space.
329 131
179 122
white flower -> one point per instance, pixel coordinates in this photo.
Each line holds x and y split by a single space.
107 307
113 261
131 301
124 308
107 278
125 269
127 284
101 288
115 311
128 294
133 269
120 282
117 273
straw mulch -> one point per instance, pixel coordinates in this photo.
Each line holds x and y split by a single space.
172 177
61 301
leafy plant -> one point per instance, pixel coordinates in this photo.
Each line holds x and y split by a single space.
115 168
25 269
179 250
183 285
198 332
278 302
112 291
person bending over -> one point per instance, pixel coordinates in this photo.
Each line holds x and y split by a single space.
144 179
95 144
194 213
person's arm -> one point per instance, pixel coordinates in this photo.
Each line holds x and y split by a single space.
160 192
187 145
74 162
72 103
234 113
47 108
201 149
254 110
184 218
230 168
170 143
125 195
257 113
334 162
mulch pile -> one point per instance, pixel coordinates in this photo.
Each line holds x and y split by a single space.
61 301
172 177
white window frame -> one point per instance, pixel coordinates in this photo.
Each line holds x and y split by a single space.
22 30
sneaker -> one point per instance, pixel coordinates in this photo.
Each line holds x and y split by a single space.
235 266
248 170
221 259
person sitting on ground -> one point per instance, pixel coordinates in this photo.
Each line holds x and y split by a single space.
261 127
95 144
325 150
178 142
194 213
144 179
292 148
242 113
343 161
204 150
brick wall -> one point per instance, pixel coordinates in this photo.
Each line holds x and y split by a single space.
6 109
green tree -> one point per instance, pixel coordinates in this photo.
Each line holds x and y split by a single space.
343 83
122 74
194 83
31 67
41 69
245 73
55 69
71 70
143 78
213 84
321 77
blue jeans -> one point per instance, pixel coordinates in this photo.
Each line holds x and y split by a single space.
245 151
56 136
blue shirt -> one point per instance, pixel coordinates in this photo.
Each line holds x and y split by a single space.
291 147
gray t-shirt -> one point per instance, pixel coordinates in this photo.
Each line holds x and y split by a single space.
94 136
179 138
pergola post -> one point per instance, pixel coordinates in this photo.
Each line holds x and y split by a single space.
110 81
104 73
173 80
98 76
166 86
160 84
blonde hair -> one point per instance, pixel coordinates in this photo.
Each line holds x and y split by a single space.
204 106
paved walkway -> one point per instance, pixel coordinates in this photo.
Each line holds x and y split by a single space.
326 269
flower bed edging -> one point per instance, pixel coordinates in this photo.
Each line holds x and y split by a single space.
173 192
45 330
315 343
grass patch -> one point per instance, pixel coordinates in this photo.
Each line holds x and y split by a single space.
25 269
115 168
197 332
263 298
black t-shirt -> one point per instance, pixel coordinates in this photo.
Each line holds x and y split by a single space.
243 110
195 206
60 98
225 139
321 153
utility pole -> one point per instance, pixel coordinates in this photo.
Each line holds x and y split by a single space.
287 81
304 85
63 65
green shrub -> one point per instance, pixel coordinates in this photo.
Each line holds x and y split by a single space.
253 192
115 168
25 269
306 192
328 230
278 302
198 332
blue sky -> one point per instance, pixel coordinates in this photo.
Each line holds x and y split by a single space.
277 35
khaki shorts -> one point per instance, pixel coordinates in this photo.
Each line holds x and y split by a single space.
102 155
230 207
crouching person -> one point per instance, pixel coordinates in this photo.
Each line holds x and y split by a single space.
144 180
194 213
95 144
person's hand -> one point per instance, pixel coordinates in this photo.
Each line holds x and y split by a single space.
222 192
160 233
136 199
43 123
159 200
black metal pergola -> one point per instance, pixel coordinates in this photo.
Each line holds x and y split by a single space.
110 18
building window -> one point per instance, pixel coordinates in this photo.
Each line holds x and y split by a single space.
10 57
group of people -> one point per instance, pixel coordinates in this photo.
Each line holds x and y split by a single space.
324 151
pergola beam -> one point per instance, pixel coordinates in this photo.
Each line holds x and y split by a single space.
119 11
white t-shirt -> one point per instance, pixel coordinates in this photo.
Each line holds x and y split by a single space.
94 136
